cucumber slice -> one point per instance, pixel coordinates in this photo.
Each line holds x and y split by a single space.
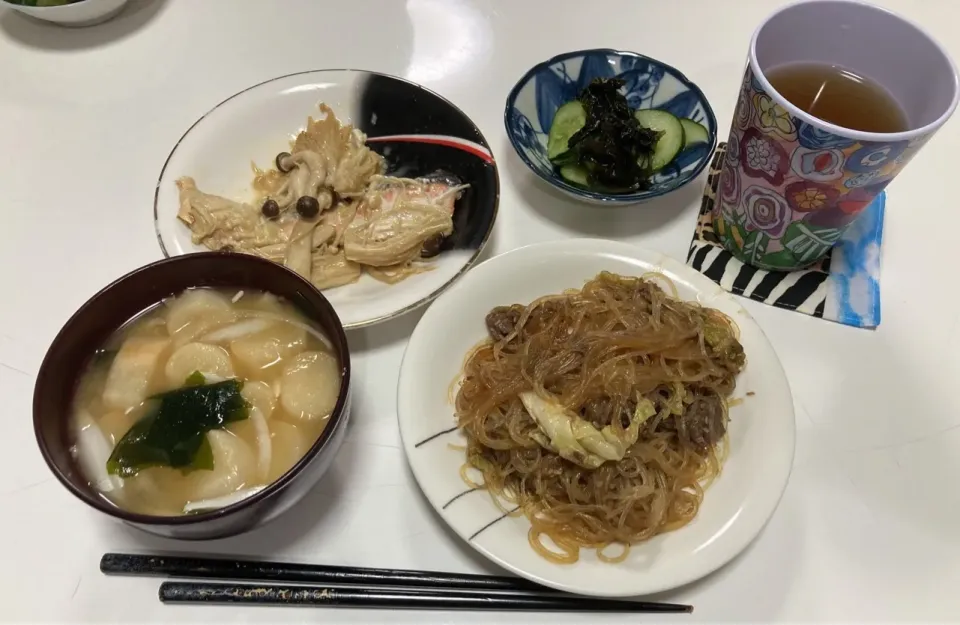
575 174
568 119
693 133
570 157
670 142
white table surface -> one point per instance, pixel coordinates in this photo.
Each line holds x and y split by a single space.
869 527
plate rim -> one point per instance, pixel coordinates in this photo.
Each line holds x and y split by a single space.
470 263
702 284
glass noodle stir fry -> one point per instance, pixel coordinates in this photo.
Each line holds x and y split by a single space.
327 211
600 412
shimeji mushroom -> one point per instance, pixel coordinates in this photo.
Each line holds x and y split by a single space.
308 207
284 163
305 177
270 209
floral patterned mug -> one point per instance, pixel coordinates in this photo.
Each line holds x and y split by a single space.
791 183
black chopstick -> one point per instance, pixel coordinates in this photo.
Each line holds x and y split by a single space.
252 570
409 599
356 586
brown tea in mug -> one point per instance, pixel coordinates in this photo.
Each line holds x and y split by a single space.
838 96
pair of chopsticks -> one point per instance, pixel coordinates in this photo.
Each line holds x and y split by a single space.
341 586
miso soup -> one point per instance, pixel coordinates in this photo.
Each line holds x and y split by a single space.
202 400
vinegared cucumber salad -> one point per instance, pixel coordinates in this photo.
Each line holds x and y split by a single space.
598 142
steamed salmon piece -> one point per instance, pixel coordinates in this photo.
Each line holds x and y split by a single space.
428 192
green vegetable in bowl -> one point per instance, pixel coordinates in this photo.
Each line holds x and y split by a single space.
598 142
610 145
174 431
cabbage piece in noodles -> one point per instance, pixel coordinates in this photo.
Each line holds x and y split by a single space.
575 438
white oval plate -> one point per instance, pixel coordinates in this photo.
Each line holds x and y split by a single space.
735 507
416 130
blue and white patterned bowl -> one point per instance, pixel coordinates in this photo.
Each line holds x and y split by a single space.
534 100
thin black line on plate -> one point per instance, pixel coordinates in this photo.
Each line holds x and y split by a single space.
455 497
430 438
491 523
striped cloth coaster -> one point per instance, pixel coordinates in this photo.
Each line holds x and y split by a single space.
843 287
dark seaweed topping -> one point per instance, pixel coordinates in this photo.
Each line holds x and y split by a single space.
612 145
195 379
174 431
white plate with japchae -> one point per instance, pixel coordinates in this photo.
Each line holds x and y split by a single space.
378 191
596 417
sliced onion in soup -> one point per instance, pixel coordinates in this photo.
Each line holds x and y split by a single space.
210 360
264 444
216 503
93 451
238 330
